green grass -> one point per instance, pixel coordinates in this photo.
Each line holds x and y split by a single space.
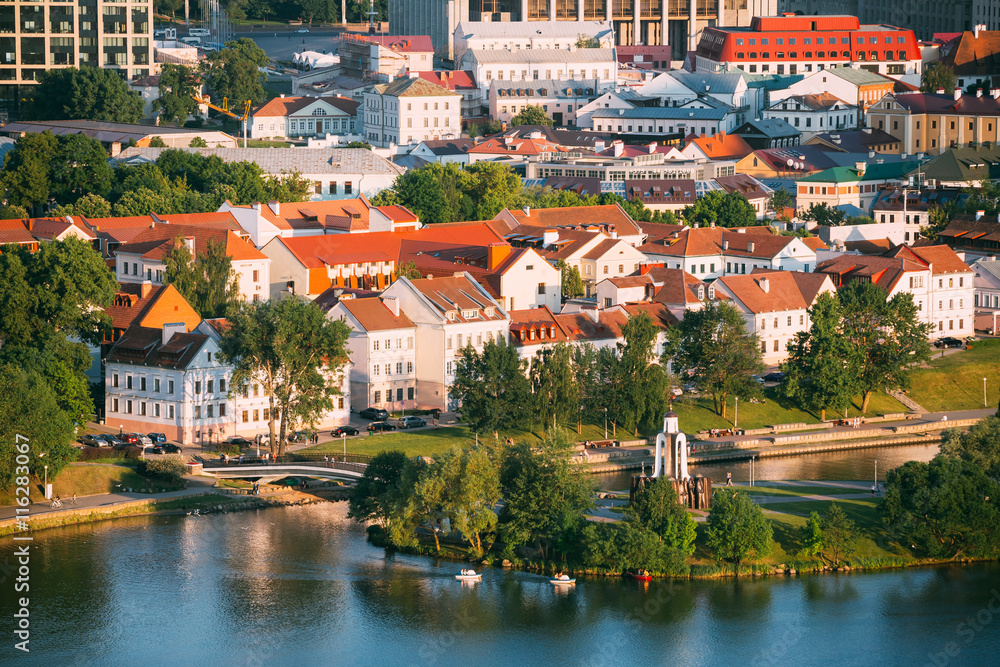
87 479
263 143
698 413
798 490
955 382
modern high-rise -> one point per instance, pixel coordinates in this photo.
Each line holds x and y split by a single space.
39 36
677 23
923 17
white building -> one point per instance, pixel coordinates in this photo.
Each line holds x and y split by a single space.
775 305
679 87
143 258
571 65
558 99
285 117
449 314
335 172
814 114
524 36
383 351
701 116
410 110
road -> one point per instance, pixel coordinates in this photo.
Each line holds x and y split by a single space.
282 45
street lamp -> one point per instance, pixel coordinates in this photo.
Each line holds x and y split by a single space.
984 394
736 414
876 474
605 423
579 421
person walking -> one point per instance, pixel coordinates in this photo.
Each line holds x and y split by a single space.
729 479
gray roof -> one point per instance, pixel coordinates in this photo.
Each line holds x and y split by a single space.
773 127
717 82
110 132
513 29
529 56
858 77
991 266
279 160
770 81
673 113
552 88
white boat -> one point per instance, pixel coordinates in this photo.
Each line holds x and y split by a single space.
562 582
475 576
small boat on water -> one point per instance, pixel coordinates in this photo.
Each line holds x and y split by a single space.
469 575
563 580
641 575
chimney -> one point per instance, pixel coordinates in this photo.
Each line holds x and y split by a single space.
980 214
860 167
274 206
871 155
725 244
939 91
392 303
614 233
994 93
495 254
652 147
189 242
145 289
619 148
599 145
958 93
549 236
750 246
594 314
765 285
712 224
255 206
976 29
526 210
170 329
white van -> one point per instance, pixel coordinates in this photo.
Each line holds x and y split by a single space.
190 40
199 32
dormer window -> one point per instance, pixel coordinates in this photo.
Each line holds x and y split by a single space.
489 312
468 314
452 315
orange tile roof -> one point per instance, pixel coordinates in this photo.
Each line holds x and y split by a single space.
398 213
722 146
155 242
284 106
703 241
787 290
374 315
50 228
456 293
941 258
14 231
973 55
885 272
516 146
452 80
658 312
612 215
214 220
814 242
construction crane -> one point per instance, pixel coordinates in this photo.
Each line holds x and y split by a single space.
224 109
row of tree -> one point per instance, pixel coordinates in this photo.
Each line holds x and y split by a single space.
498 391
70 173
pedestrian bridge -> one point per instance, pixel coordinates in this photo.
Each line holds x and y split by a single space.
269 472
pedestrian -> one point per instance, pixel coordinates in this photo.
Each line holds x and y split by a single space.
873 490
729 479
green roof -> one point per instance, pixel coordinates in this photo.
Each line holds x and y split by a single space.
872 172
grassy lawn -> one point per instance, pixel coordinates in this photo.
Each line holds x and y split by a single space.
263 143
87 479
798 490
955 382
697 413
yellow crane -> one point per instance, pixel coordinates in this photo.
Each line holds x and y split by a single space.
224 109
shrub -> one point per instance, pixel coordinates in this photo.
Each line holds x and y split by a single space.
169 468
97 453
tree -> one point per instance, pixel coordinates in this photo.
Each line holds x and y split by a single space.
219 287
980 445
888 335
779 201
945 508
408 270
491 386
812 535
380 489
714 344
737 529
815 371
939 217
198 142
824 214
726 209
556 394
544 496
27 169
294 351
532 114
840 535
178 87
492 186
635 386
234 72
938 76
572 282
587 42
476 493
91 93
426 505
79 168
32 425
13 212
92 206
157 142
359 144
657 509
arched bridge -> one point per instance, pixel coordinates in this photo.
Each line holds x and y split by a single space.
287 466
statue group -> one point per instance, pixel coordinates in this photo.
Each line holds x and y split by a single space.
671 462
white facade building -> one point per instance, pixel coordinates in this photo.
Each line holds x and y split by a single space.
285 117
524 36
411 110
571 65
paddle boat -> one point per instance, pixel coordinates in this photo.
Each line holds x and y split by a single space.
641 575
562 580
469 575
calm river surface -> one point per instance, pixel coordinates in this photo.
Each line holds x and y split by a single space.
300 586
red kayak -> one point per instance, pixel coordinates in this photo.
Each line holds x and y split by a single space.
641 577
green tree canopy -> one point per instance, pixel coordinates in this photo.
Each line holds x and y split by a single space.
491 387
556 393
979 445
27 169
91 93
779 201
178 86
657 509
381 488
294 351
713 343
572 282
531 114
725 209
938 76
737 530
824 214
234 72
210 284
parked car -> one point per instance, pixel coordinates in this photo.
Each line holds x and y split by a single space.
757 378
344 430
302 31
948 341
169 448
410 422
676 391
114 441
239 441
377 414
153 448
691 387
380 426
143 440
775 376
129 438
157 438
93 440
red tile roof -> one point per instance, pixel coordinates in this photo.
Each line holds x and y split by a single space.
284 106
941 258
143 346
511 146
457 80
14 231
611 216
786 290
155 242
721 146
458 294
374 315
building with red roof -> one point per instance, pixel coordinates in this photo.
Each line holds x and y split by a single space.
462 82
299 117
384 57
14 232
934 122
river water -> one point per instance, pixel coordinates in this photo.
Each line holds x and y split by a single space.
301 586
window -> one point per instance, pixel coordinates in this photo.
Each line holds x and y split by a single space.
256 273
128 381
763 347
156 385
267 414
789 320
114 405
246 416
409 393
170 412
375 369
170 386
388 369
209 411
142 383
222 385
409 366
541 288
775 344
114 380
256 415
156 409
208 386
399 368
605 269
197 412
197 386
448 369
